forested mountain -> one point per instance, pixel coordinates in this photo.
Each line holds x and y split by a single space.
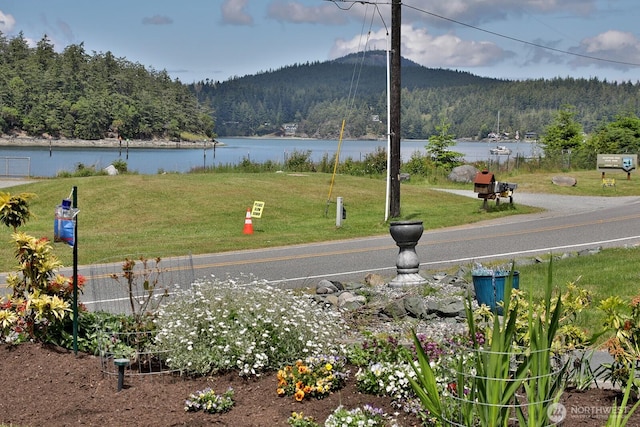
76 95
317 96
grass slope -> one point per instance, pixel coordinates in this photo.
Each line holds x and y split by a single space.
178 214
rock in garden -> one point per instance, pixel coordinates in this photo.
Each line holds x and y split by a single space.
592 251
372 279
349 301
338 285
332 299
326 287
447 307
352 286
395 310
415 307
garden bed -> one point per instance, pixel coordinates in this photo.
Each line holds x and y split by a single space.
51 386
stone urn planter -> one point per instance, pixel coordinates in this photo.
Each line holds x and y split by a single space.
406 235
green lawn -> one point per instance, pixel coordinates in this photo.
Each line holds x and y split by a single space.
178 214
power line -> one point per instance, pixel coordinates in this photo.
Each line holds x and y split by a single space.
494 33
595 58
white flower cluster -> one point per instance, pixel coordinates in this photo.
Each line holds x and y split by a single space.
392 378
367 416
221 325
387 379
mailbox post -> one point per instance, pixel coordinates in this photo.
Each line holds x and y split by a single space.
487 187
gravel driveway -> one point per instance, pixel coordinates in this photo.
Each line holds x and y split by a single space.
558 204
11 182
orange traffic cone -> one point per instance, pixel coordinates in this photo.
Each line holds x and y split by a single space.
248 225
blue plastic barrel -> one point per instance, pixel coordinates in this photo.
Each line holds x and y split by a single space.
490 289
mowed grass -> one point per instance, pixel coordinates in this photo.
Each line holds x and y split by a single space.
179 214
607 273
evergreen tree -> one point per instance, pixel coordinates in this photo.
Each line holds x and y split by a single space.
438 147
564 134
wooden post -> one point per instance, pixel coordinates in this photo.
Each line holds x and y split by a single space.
75 271
394 172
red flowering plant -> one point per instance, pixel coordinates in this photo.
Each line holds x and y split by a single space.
315 377
40 304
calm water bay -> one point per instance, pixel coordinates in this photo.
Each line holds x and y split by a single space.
47 163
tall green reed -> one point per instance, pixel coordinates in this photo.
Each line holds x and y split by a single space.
492 389
488 394
544 384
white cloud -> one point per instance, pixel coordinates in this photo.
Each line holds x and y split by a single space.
235 12
7 22
446 51
612 45
486 11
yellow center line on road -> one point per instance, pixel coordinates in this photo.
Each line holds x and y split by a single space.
431 242
384 247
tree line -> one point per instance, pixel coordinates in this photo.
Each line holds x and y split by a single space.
317 96
74 94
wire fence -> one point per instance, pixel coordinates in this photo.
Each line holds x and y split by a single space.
122 285
131 290
15 167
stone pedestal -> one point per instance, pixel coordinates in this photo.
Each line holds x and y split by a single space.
406 235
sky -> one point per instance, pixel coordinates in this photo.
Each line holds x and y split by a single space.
215 40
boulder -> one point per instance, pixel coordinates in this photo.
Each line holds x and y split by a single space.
349 301
415 307
464 174
332 299
111 170
395 310
564 181
447 307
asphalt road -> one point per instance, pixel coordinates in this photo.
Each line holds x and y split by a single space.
568 224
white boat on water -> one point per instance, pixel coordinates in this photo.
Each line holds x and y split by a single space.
500 150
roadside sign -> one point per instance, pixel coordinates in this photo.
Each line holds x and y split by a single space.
624 162
256 212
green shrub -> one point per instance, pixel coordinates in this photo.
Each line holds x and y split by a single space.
375 163
120 165
299 161
40 303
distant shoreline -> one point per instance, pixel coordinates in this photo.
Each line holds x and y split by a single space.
22 141
25 141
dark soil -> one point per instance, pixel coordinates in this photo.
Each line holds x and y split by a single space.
47 386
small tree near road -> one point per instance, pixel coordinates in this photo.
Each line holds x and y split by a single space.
438 147
564 134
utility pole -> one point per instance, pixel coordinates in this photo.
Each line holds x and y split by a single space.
394 170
